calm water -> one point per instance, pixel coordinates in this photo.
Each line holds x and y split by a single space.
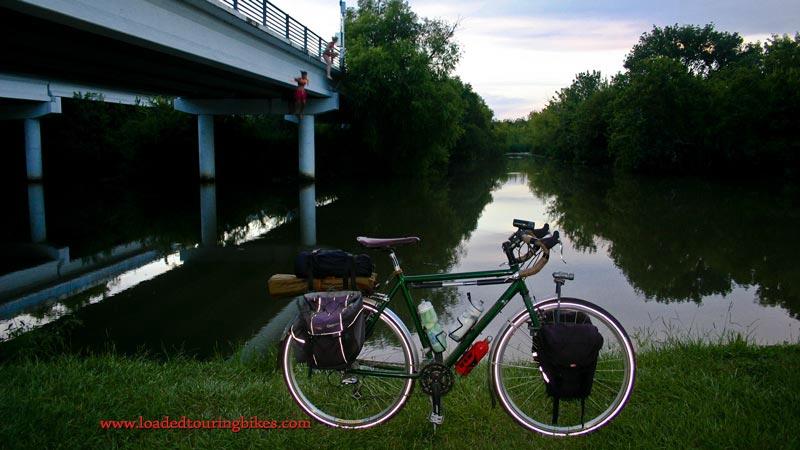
665 256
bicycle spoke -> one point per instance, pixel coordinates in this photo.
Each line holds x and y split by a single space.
522 384
531 394
605 386
522 367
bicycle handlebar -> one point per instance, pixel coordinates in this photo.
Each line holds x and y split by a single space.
538 240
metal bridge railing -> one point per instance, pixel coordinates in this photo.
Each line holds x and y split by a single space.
283 26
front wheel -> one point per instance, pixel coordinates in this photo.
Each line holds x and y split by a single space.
341 399
519 384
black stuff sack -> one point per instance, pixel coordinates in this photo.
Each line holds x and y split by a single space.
331 324
332 263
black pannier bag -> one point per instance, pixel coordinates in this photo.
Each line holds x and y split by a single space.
332 263
329 333
567 351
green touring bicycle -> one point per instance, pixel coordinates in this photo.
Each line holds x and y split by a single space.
377 385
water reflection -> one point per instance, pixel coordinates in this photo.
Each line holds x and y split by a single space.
680 242
308 215
36 212
208 214
681 239
113 272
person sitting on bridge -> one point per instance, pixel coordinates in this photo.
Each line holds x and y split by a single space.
328 55
300 95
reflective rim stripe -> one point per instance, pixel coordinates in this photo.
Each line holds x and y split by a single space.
291 332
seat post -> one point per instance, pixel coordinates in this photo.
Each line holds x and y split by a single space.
560 278
395 261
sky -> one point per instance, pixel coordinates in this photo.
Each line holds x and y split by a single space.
518 53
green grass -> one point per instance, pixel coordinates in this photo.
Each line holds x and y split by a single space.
687 395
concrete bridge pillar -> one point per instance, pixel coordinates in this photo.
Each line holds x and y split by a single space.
306 145
33 149
205 139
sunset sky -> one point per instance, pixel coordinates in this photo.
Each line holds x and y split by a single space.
517 54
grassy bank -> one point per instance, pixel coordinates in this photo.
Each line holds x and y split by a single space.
687 396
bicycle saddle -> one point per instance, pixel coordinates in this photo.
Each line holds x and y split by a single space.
386 242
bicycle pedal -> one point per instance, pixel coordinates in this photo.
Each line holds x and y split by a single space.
436 419
349 380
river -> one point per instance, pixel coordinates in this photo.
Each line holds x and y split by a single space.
669 257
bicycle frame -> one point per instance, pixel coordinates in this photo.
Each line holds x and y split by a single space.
403 283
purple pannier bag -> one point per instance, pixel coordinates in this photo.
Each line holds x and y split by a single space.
332 326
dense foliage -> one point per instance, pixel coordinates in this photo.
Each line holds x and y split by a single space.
407 111
691 99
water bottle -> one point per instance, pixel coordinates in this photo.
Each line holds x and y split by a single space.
430 322
472 357
466 320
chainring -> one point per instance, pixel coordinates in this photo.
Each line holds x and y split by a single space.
436 372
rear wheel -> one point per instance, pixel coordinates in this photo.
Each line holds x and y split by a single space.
520 386
342 399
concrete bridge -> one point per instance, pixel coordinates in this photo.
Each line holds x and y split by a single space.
215 57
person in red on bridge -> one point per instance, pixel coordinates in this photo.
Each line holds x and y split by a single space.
300 95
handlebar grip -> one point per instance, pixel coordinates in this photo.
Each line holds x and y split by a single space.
542 232
548 242
551 241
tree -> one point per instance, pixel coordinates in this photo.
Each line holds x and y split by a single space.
477 142
700 50
658 117
405 109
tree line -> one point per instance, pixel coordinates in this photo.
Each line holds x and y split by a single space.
691 99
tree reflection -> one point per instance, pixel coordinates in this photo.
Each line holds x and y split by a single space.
680 239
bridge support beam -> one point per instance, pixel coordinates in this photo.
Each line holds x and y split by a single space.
205 140
206 108
306 146
33 149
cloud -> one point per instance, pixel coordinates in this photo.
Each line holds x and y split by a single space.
551 34
535 57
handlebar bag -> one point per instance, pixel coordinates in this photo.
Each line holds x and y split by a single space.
332 263
331 324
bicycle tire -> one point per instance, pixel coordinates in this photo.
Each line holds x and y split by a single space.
342 400
520 387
